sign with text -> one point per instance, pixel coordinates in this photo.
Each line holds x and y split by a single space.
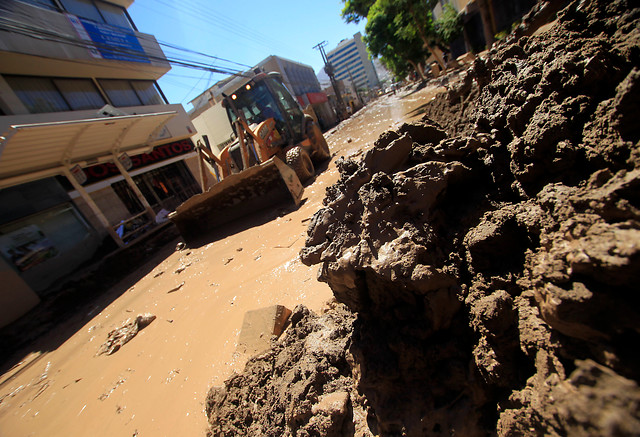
109 42
98 172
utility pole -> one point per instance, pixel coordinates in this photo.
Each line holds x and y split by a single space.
328 68
355 88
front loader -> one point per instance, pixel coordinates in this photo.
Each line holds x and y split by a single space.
276 145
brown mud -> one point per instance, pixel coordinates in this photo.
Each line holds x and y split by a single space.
488 255
53 383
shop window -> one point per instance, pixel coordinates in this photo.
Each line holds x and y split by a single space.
123 92
42 94
33 240
163 188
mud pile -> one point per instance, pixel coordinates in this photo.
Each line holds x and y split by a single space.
491 255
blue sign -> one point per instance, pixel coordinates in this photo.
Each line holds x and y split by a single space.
115 43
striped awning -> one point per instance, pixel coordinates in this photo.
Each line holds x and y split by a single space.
34 151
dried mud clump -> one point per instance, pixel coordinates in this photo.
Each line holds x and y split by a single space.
303 386
492 256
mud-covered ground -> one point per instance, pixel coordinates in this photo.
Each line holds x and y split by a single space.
155 384
485 260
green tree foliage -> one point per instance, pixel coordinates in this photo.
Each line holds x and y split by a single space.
387 36
355 11
449 26
401 32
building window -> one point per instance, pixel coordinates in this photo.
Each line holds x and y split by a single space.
80 93
83 8
147 92
45 4
123 92
114 15
98 11
43 94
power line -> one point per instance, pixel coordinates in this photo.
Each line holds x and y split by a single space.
47 35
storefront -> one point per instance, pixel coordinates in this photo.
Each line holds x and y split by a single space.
164 178
66 188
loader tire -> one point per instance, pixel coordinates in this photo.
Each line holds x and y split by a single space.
301 163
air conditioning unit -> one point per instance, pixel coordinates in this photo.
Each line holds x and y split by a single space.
110 111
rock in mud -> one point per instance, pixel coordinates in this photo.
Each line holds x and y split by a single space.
490 252
303 386
122 335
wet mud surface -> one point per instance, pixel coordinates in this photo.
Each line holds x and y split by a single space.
156 383
485 259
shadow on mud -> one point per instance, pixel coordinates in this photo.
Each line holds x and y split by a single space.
65 309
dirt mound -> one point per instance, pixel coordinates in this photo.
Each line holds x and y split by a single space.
491 255
302 386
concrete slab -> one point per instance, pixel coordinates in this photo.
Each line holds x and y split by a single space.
259 326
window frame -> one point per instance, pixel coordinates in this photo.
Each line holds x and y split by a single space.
103 20
163 100
51 80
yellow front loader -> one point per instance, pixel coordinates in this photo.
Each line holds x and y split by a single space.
276 145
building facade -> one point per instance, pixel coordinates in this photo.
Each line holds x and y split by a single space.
351 63
483 20
91 153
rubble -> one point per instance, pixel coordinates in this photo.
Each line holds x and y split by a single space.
488 256
120 336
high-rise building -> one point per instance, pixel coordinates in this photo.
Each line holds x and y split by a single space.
351 63
91 153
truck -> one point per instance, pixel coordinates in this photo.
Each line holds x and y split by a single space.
273 154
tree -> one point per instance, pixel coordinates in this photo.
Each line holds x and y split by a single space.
449 26
355 11
384 37
413 20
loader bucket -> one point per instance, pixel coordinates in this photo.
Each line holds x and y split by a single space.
236 196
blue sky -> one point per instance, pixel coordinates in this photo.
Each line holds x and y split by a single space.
244 32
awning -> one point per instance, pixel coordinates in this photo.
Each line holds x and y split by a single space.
34 151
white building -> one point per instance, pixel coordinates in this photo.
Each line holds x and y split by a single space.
351 63
75 173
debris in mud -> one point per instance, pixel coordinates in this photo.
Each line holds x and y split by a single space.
182 268
302 386
120 336
490 252
260 326
178 287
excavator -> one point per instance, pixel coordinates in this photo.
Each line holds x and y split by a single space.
273 154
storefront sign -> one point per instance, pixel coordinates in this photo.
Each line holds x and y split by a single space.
26 247
109 42
99 172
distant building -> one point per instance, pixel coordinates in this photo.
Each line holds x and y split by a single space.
210 118
499 16
90 151
351 63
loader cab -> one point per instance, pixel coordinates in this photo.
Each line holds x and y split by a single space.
263 97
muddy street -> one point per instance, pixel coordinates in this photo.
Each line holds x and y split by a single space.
156 384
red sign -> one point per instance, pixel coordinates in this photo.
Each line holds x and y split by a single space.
99 172
315 98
